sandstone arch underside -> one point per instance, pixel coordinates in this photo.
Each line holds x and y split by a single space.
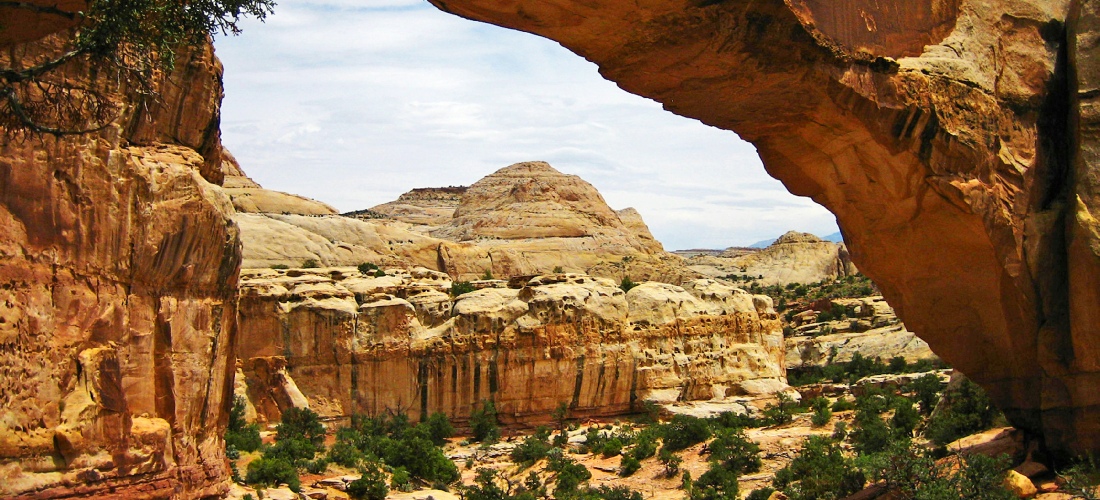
955 140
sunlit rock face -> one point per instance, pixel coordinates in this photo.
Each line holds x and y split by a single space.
955 140
352 343
118 287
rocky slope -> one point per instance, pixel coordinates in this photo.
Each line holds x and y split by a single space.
351 343
793 258
524 219
955 140
119 266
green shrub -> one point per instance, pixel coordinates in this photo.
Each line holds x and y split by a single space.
532 449
717 483
927 390
378 273
735 451
626 284
843 405
239 434
684 431
761 494
570 474
966 410
367 268
484 424
400 479
731 420
905 419
1081 477
558 270
439 428
485 487
629 465
821 416
461 287
645 444
615 493
280 266
301 423
318 466
671 461
916 473
310 264
371 485
781 412
612 447
871 434
344 453
820 471
272 471
297 451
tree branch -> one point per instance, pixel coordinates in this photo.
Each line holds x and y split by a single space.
17 109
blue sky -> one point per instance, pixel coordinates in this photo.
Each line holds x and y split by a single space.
353 102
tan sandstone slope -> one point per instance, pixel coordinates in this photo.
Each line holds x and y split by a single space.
348 343
792 258
955 140
118 303
524 219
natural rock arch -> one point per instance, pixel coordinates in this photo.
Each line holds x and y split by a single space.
954 141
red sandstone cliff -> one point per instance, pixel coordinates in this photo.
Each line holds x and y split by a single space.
955 140
118 285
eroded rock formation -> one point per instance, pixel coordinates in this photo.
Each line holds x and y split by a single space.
955 140
118 289
353 343
793 258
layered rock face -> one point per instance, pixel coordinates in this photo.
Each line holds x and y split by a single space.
356 344
118 287
523 220
793 258
954 140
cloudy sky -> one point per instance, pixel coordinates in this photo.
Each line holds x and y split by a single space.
353 102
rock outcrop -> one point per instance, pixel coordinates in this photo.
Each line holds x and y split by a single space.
353 343
955 140
430 207
793 258
118 290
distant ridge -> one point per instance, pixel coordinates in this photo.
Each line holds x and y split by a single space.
835 238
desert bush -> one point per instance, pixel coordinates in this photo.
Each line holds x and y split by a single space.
483 422
684 431
905 419
461 287
310 264
532 449
871 434
1081 477
735 452
913 473
626 284
671 461
266 471
239 434
439 428
820 471
781 412
927 389
717 483
301 423
629 465
367 268
570 474
371 484
966 410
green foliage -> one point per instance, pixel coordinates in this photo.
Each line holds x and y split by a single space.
820 471
927 389
378 273
871 434
239 434
735 452
485 487
487 275
558 270
532 449
461 287
781 412
344 453
843 405
717 483
915 474
280 266
310 264
371 485
645 444
301 423
684 431
272 471
822 413
398 444
966 410
612 447
761 494
856 369
560 415
367 268
615 493
296 451
629 465
318 466
731 420
905 419
1082 477
400 479
626 284
570 474
671 461
439 428
484 424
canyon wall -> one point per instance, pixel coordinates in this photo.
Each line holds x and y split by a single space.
118 289
955 140
349 343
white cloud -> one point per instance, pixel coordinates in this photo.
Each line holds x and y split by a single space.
355 102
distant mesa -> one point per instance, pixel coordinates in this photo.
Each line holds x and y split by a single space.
794 257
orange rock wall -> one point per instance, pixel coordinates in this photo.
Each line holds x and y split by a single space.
118 273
